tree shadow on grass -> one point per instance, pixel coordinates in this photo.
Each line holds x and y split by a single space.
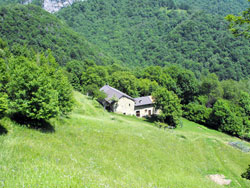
3 131
40 125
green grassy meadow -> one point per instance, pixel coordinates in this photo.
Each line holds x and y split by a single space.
94 148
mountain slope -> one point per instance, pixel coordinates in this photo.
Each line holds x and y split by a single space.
150 32
48 5
93 148
222 7
32 26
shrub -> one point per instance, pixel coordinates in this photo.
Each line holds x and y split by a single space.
169 105
3 103
197 113
65 92
246 174
31 91
224 119
93 91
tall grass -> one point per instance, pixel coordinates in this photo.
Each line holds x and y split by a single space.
94 148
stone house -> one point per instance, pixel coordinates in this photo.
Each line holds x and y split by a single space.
144 106
119 102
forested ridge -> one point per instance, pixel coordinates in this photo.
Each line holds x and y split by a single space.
221 7
31 26
142 33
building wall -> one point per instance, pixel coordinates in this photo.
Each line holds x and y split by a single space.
144 110
125 106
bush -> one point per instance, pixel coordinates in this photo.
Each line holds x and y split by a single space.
65 92
3 103
169 105
223 119
93 91
246 174
31 91
197 113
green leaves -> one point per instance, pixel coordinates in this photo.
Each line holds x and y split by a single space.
240 25
3 103
38 90
145 33
169 105
33 27
247 173
30 90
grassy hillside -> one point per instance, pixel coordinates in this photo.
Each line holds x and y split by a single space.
93 148
157 32
35 28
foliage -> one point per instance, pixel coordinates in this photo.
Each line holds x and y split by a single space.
156 74
75 70
221 7
169 105
3 103
37 88
30 90
3 80
93 91
197 113
146 87
125 82
240 25
96 75
33 27
186 83
151 32
247 173
224 119
231 90
210 86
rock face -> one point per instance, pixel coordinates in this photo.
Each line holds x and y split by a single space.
55 5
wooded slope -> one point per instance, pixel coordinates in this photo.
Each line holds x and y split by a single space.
150 32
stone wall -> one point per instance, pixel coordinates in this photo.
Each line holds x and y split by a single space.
125 106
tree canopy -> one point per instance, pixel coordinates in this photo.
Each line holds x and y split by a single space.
160 32
38 30
240 25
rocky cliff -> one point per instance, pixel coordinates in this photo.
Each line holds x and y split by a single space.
53 5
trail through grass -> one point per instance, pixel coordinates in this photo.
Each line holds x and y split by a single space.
94 148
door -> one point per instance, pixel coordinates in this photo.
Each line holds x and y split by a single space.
149 112
138 113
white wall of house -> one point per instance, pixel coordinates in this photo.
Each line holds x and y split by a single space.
125 106
146 110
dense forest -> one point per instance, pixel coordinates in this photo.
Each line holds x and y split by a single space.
142 33
13 2
221 7
39 30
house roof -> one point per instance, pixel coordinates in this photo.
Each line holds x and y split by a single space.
140 101
112 92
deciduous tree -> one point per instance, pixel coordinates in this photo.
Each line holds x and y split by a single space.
169 105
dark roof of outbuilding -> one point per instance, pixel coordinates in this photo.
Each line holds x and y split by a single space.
112 92
140 101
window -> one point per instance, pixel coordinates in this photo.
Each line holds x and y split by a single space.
128 104
138 113
146 110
